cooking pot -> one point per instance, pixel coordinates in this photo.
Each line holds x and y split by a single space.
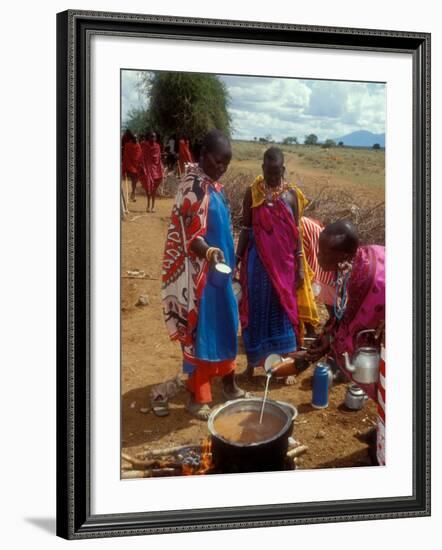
265 455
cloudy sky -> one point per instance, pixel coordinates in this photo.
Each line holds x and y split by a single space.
283 107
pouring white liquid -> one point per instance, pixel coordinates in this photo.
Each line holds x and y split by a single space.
265 397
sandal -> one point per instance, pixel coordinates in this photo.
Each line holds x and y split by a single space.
198 410
237 394
160 406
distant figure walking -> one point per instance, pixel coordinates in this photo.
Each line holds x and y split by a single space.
132 161
152 169
184 154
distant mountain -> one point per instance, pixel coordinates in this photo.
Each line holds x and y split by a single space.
362 138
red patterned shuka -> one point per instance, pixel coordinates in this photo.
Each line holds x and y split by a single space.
184 273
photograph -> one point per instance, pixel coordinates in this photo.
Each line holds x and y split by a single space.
226 307
253 269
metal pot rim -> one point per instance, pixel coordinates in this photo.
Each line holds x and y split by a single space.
218 410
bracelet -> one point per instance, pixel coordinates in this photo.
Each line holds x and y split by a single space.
299 254
209 252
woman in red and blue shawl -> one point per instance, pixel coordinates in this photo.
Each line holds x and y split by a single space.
201 316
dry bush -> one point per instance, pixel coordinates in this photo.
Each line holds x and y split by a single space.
169 186
332 204
327 204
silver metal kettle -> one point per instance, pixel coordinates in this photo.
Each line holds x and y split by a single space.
364 366
355 398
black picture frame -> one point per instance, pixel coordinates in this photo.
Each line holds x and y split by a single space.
74 518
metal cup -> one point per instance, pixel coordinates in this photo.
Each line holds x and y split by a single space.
220 274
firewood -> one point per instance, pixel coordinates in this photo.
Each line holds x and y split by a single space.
297 451
171 450
139 463
133 474
144 464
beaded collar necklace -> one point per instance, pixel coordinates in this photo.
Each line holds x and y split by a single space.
272 193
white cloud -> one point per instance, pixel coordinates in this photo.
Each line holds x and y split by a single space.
132 97
283 107
289 107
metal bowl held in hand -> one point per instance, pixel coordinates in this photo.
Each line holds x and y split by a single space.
365 362
220 274
266 455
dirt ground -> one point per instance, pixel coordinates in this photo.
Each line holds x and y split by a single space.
334 436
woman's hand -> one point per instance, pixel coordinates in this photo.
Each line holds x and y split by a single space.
319 348
216 256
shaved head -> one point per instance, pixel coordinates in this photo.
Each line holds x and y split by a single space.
338 242
215 140
342 236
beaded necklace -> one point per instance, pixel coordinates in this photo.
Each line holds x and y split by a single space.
272 193
341 295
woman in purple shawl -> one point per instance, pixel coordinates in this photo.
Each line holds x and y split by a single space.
360 292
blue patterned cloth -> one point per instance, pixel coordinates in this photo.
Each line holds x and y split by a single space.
216 335
269 329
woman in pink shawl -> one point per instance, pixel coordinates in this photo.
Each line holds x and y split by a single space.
152 169
270 253
360 292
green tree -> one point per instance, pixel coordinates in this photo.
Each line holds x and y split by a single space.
341 144
187 104
329 143
311 139
376 146
290 141
138 121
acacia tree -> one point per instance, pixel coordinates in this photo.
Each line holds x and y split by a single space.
311 139
138 121
187 104
329 143
291 140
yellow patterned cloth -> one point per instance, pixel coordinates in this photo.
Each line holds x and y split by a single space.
307 310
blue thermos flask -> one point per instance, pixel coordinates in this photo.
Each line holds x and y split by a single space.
320 386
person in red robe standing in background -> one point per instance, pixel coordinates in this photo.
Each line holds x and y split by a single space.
127 136
184 154
152 169
131 165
